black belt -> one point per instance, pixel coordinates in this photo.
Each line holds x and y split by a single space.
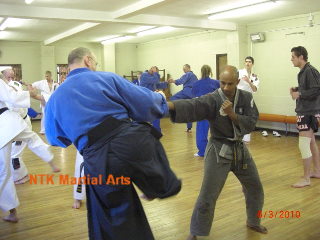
107 126
25 116
2 110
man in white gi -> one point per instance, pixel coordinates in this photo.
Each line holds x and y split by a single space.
19 170
248 82
12 127
46 88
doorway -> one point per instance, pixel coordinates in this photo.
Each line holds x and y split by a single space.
221 62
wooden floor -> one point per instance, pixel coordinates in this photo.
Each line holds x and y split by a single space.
45 210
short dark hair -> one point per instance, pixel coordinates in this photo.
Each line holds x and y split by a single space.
298 51
250 58
187 65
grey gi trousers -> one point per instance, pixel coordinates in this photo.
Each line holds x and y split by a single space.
216 170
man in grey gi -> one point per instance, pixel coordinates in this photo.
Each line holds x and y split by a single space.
232 113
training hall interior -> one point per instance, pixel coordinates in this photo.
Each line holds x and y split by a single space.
134 35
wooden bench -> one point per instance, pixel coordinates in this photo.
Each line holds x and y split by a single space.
278 118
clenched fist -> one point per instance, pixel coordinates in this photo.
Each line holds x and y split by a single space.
227 107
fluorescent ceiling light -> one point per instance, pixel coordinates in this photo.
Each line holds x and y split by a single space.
140 29
245 10
5 34
4 24
13 23
118 39
28 1
70 32
158 30
106 38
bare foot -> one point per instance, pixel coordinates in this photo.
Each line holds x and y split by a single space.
191 237
259 228
76 204
22 180
303 182
12 217
54 167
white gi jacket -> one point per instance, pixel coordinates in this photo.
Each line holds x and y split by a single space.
44 89
18 87
11 123
243 84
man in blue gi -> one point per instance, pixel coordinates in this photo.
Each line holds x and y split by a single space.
93 110
202 87
137 81
151 79
187 79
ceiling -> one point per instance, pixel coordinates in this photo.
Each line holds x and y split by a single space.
96 20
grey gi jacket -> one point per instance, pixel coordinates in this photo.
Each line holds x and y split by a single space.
224 133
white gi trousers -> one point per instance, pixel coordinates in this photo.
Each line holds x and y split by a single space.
79 161
19 169
42 130
8 194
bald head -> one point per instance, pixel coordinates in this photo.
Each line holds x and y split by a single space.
229 80
230 72
8 74
82 58
76 55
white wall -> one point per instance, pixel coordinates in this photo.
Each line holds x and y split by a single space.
35 58
272 57
62 49
272 60
273 63
126 58
28 54
194 49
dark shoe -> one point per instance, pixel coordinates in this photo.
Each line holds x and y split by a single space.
259 228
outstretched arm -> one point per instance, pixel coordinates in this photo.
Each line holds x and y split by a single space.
192 110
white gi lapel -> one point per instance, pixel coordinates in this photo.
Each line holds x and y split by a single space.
223 97
236 130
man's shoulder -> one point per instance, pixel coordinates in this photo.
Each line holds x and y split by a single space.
310 68
215 81
103 74
40 81
144 74
243 70
190 73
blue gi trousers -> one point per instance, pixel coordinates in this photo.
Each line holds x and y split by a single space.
183 94
202 136
114 209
